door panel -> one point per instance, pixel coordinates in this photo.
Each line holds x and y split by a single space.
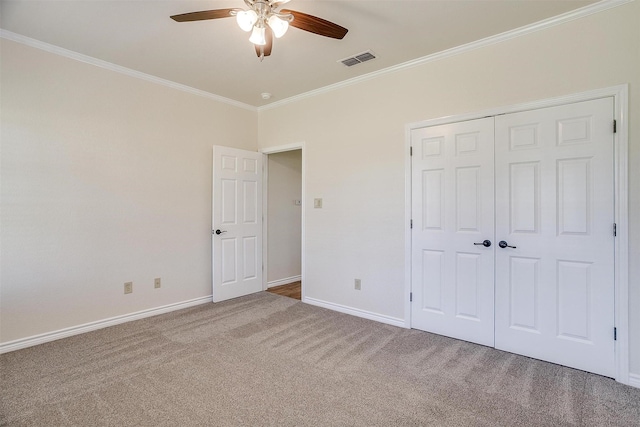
452 203
237 213
250 262
523 301
432 290
524 194
554 203
467 285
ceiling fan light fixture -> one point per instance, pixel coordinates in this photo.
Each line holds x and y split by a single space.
278 25
258 36
246 19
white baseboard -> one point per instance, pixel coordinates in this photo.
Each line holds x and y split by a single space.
92 326
634 380
284 281
356 312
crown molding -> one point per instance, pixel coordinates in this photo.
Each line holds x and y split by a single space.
498 38
5 34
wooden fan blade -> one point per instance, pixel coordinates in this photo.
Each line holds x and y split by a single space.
315 25
203 15
269 46
266 49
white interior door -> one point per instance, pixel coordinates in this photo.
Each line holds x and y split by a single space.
555 205
453 214
236 223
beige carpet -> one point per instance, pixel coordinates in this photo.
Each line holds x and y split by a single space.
267 360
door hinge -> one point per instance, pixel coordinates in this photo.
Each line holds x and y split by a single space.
615 334
615 126
411 224
410 296
411 151
615 229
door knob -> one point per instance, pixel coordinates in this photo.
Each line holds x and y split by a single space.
504 244
486 243
218 231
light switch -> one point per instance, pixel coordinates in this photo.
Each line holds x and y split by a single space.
297 202
317 203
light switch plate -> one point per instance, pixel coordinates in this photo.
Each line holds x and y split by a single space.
317 203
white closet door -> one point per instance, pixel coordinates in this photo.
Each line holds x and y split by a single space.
555 206
453 213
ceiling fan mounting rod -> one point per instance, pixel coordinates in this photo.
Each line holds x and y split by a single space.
262 8
266 8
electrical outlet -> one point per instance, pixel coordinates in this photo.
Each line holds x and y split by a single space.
156 282
357 284
128 287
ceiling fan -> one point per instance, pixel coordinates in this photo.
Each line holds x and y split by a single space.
265 22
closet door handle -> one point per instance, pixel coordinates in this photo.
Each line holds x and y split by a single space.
504 244
486 243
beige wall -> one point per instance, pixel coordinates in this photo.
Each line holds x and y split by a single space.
355 147
105 179
284 218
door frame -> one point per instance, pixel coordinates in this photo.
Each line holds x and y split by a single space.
265 198
620 96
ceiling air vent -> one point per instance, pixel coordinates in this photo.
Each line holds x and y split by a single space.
358 59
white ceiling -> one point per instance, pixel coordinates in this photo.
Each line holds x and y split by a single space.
215 56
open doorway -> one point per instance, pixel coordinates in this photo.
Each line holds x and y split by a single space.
283 223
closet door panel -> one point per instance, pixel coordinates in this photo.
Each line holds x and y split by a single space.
452 210
554 209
